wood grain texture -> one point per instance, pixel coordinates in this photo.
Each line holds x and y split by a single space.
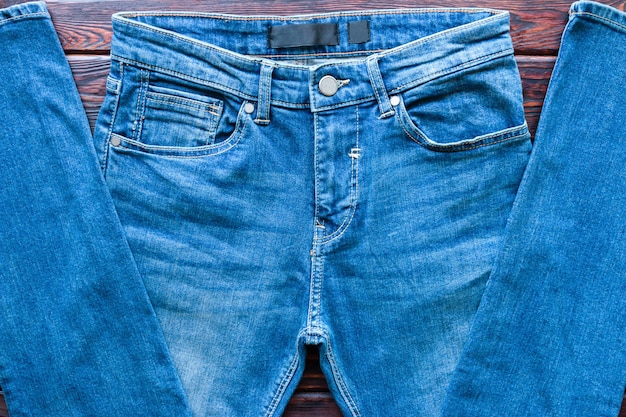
85 32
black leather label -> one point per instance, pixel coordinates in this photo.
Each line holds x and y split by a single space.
359 32
305 34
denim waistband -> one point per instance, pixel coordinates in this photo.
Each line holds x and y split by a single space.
400 49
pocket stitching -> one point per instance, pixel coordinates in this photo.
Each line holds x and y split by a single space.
206 122
423 140
189 152
184 101
118 87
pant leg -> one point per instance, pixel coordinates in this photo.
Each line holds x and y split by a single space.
78 336
550 335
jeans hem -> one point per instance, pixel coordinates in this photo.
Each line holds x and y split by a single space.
601 12
22 11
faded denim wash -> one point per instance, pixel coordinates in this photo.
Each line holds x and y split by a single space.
265 215
550 335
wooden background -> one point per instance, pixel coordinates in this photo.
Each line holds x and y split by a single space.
85 32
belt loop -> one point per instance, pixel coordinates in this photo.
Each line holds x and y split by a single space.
265 94
386 109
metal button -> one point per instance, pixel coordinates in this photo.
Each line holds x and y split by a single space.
248 108
394 100
115 141
328 85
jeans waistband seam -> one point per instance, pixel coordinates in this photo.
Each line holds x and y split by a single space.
465 65
391 90
161 32
445 33
121 18
237 93
183 76
248 68
364 13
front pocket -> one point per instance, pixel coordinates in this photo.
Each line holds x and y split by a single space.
173 118
418 135
473 107
124 144
164 115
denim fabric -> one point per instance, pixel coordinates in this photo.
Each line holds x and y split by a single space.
265 216
78 335
549 338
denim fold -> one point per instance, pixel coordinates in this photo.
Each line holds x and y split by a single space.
78 334
548 339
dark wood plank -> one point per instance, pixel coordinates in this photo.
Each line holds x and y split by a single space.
535 72
90 74
313 379
319 404
84 25
3 406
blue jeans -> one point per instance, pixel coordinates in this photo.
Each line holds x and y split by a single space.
274 199
259 185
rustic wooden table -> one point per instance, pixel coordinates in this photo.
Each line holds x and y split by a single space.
85 32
